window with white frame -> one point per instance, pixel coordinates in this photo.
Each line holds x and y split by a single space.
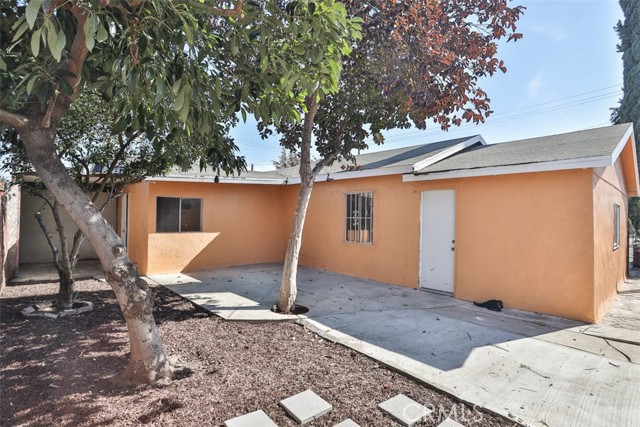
359 218
176 214
616 227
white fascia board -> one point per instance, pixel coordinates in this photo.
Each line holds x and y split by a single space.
591 162
621 144
336 176
448 152
222 180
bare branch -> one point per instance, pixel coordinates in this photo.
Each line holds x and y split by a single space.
16 121
54 249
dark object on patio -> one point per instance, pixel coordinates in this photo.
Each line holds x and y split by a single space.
492 304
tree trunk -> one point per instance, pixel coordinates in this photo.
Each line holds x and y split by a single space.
147 362
288 285
65 272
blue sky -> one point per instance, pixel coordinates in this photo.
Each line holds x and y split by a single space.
564 75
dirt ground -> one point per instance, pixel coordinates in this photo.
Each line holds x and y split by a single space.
56 371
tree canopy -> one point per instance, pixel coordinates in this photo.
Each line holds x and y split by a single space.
176 70
629 33
417 60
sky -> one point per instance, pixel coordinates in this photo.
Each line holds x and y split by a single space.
564 75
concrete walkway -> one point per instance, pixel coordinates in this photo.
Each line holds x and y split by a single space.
539 370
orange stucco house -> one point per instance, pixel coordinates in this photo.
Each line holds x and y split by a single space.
540 224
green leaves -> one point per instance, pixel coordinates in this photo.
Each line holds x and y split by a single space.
35 42
58 45
31 12
172 70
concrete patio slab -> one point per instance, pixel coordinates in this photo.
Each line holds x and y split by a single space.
306 406
405 410
539 370
228 305
253 419
612 333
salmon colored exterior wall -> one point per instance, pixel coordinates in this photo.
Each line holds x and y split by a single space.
519 238
242 224
541 242
610 264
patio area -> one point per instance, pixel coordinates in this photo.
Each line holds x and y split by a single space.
537 369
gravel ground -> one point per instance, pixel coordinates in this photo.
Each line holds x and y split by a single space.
55 372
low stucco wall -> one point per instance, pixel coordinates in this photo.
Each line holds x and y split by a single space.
525 239
33 244
242 224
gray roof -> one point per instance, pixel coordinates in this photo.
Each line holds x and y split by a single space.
405 156
567 146
195 172
585 144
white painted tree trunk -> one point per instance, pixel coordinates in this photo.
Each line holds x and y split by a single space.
147 363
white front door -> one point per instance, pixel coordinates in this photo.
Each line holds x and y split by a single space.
124 219
437 240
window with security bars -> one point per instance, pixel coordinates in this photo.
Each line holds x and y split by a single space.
359 225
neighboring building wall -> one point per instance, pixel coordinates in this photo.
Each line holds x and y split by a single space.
525 239
610 263
10 229
241 225
138 239
34 247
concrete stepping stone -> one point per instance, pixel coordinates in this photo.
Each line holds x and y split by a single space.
253 419
406 411
347 423
450 423
305 406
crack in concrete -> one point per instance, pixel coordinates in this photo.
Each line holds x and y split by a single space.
617 349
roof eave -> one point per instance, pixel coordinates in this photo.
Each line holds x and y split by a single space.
221 180
583 163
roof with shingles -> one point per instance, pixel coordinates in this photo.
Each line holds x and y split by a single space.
567 146
405 156
586 144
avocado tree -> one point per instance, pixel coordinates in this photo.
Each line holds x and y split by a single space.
100 163
417 60
175 70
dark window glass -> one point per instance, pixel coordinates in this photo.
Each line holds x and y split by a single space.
174 214
167 214
190 215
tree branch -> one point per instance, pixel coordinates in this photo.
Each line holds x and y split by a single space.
54 250
237 10
16 121
74 64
